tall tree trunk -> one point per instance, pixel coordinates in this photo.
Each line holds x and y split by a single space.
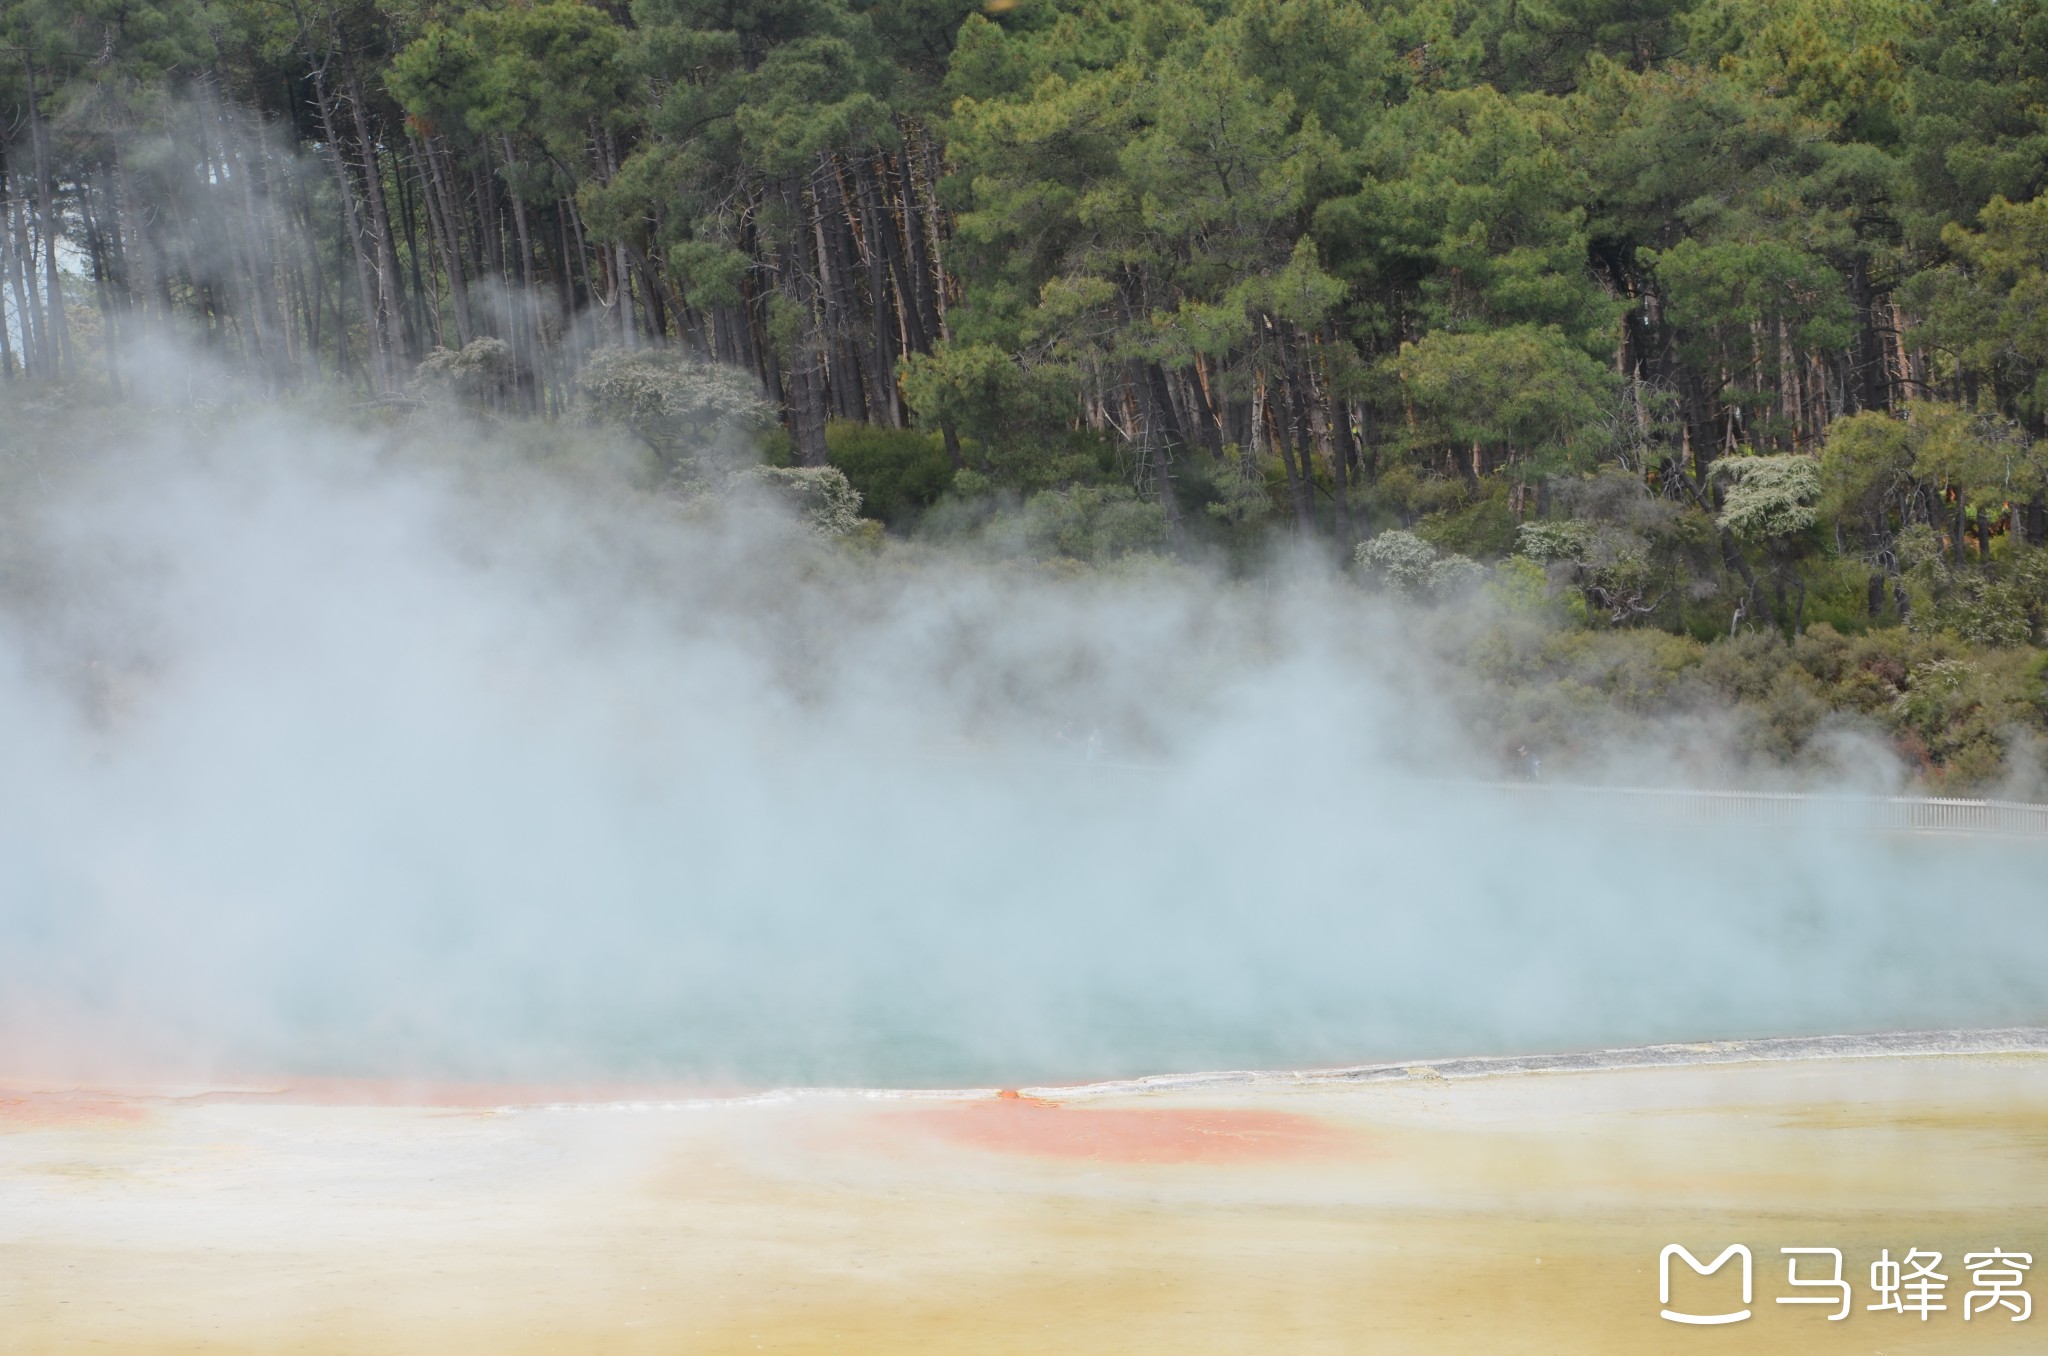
895 244
1157 435
441 218
241 277
916 238
1343 460
380 368
526 320
1206 416
1297 486
390 314
883 323
886 250
59 342
13 254
842 376
804 368
426 317
150 285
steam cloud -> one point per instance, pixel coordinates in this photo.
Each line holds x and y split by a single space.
324 758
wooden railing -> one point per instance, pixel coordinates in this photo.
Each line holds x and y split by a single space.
1898 814
1661 805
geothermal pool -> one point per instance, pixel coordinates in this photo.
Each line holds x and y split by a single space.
544 1118
412 885
1452 1207
1110 936
1491 1203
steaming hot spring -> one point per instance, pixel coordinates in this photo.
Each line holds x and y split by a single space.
1474 1204
442 921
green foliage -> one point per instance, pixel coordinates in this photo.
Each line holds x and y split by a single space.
1243 496
1718 287
1472 205
479 375
1988 307
1772 498
1949 711
1014 416
1979 79
1522 388
1628 556
1094 524
899 473
1483 526
1981 611
1998 606
1966 451
1520 588
1551 687
1866 470
686 411
1843 62
1838 592
1549 543
821 496
1406 564
1686 316
1409 494
551 71
1398 559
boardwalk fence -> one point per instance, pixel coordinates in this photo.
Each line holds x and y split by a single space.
1899 814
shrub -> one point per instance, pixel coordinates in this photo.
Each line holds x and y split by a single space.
1771 497
899 473
1838 595
1408 564
480 375
821 495
1093 523
686 411
1982 611
1483 527
1521 587
1398 559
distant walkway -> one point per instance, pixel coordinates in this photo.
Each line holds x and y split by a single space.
2013 1040
1902 814
1772 809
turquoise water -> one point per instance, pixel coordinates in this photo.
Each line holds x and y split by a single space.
1062 925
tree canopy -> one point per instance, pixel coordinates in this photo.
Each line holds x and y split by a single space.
1171 274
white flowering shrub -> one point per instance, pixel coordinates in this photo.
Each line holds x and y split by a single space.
481 374
687 411
1407 564
823 498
